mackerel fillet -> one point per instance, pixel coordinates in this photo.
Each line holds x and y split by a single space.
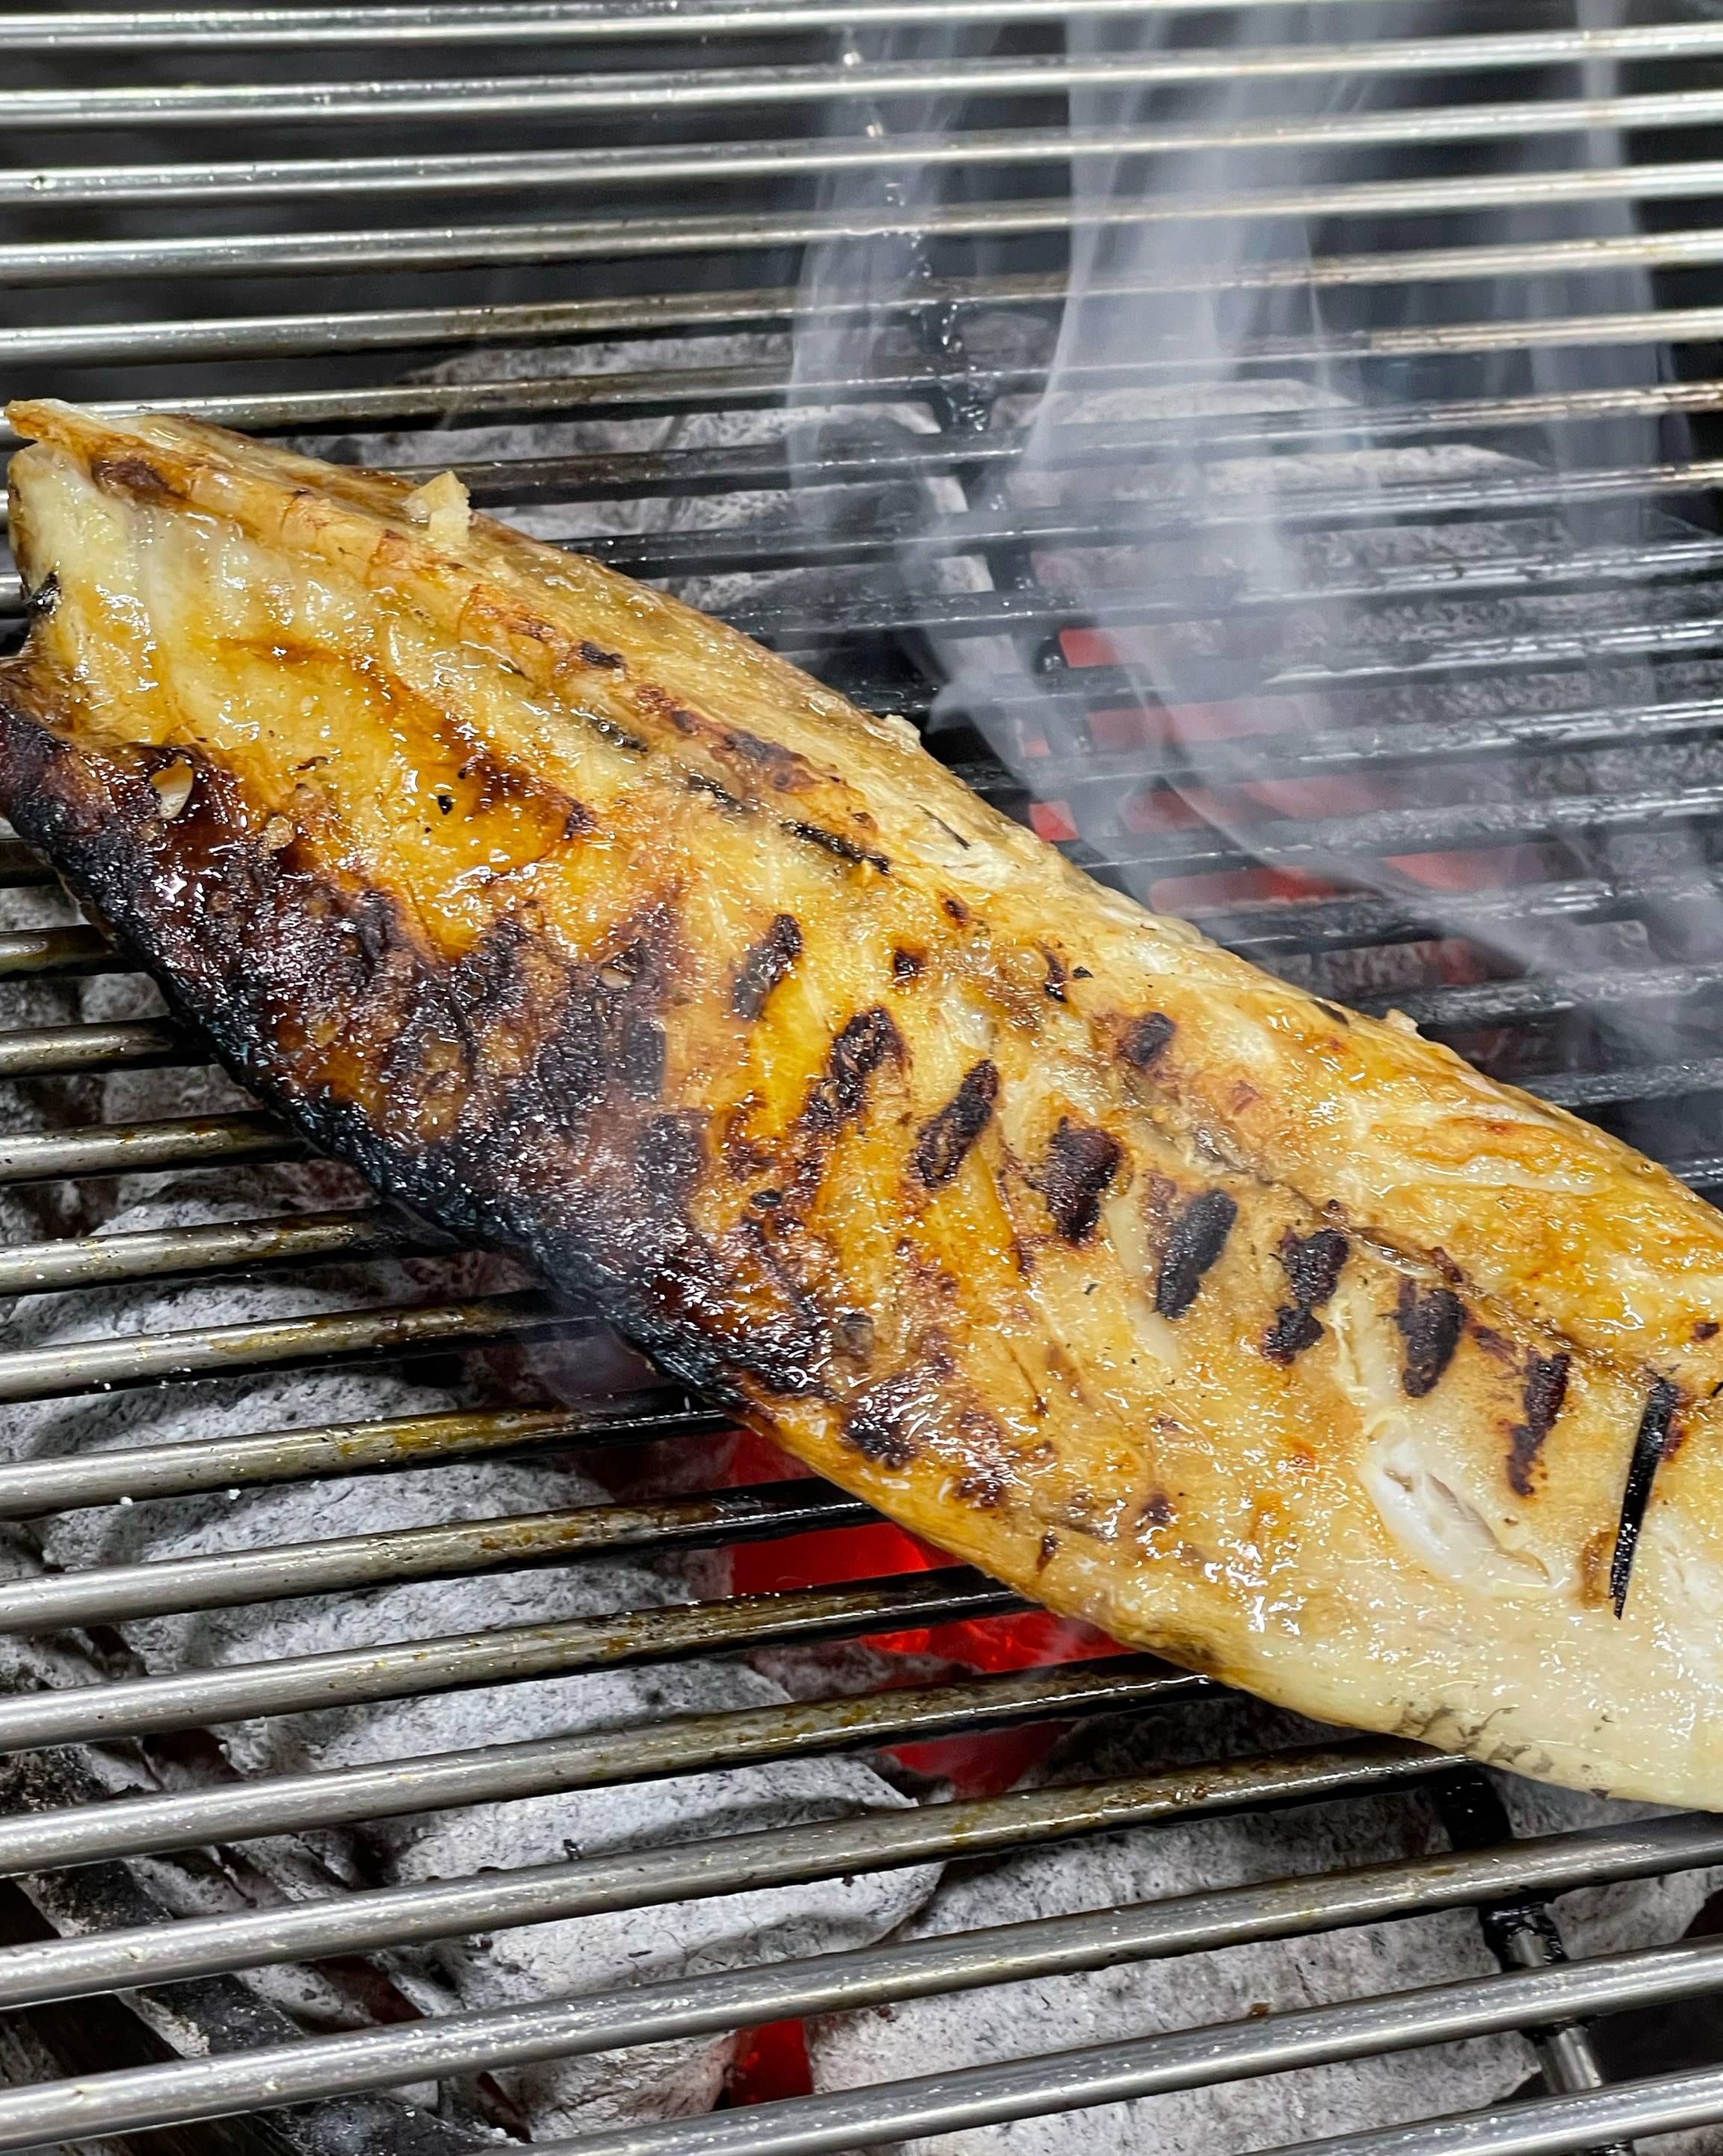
1255 1332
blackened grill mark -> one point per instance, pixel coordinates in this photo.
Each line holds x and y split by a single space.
945 1140
1314 1265
595 655
857 1053
1147 1040
834 842
1651 1447
617 737
1080 1164
580 822
905 965
1546 1389
1199 1235
1431 1325
1054 985
698 782
1292 1332
764 965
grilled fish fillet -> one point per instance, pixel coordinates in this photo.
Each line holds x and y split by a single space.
1253 1331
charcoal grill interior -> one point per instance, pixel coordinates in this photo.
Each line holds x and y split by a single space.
760 300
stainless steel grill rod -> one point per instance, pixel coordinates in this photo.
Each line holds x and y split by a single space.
253 336
467 246
219 29
517 172
711 547
1640 1081
501 1774
22 868
1410 916
1547 995
204 2088
238 1351
110 1594
1267 755
299 1684
172 1142
1283 842
518 98
1545 2125
1698 1171
120 1044
359 1923
29 1488
64 951
1235 2051
748 386
156 1253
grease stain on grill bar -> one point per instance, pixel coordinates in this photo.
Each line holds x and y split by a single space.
29 1488
259 335
99 1365
68 1051
157 1253
172 1142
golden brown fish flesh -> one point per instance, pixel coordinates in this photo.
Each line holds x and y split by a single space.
1255 1332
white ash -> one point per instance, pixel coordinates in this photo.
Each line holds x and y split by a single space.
590 1954
1025 2019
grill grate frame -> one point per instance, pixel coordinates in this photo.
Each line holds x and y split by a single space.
111 299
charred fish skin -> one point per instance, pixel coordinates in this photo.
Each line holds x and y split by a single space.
1260 1334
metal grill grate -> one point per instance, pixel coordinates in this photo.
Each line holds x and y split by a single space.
359 227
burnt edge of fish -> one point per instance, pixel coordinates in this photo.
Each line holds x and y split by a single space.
258 935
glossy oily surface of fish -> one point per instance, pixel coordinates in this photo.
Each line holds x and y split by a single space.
1257 1332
